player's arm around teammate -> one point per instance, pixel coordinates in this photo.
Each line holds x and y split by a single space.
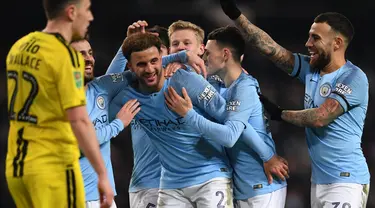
336 100
285 60
171 62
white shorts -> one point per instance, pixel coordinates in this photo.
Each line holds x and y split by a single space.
339 195
146 198
96 204
213 193
274 199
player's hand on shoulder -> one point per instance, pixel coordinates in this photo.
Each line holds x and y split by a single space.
105 192
197 63
180 105
137 27
128 111
171 68
276 166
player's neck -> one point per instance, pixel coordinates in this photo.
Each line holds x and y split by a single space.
230 73
333 65
61 27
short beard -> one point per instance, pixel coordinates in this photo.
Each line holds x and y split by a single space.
322 62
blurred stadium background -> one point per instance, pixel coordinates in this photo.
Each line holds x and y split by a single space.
287 21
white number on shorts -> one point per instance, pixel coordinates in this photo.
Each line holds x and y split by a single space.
345 205
219 205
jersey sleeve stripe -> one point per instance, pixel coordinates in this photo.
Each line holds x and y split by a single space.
299 66
77 59
69 50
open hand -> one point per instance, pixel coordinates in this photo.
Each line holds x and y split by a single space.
137 27
128 111
197 63
277 166
180 105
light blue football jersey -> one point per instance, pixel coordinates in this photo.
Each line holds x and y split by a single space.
98 99
242 105
186 158
237 112
335 150
147 168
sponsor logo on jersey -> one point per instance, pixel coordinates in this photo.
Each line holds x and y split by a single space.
100 120
207 94
343 89
159 125
232 105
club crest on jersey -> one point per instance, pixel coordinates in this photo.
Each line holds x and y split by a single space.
232 105
207 94
100 102
116 77
325 90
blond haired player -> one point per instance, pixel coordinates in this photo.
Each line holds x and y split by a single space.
47 111
185 35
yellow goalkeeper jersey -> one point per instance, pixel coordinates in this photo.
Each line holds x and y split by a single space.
44 78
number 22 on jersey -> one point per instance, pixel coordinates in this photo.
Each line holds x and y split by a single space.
25 84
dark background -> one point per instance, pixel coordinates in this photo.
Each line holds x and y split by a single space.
287 21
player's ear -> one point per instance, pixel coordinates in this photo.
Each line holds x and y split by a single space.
338 43
226 54
129 66
71 12
201 50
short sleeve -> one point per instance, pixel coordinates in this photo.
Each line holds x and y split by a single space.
301 67
351 89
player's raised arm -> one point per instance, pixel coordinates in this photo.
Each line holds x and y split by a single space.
119 62
259 39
